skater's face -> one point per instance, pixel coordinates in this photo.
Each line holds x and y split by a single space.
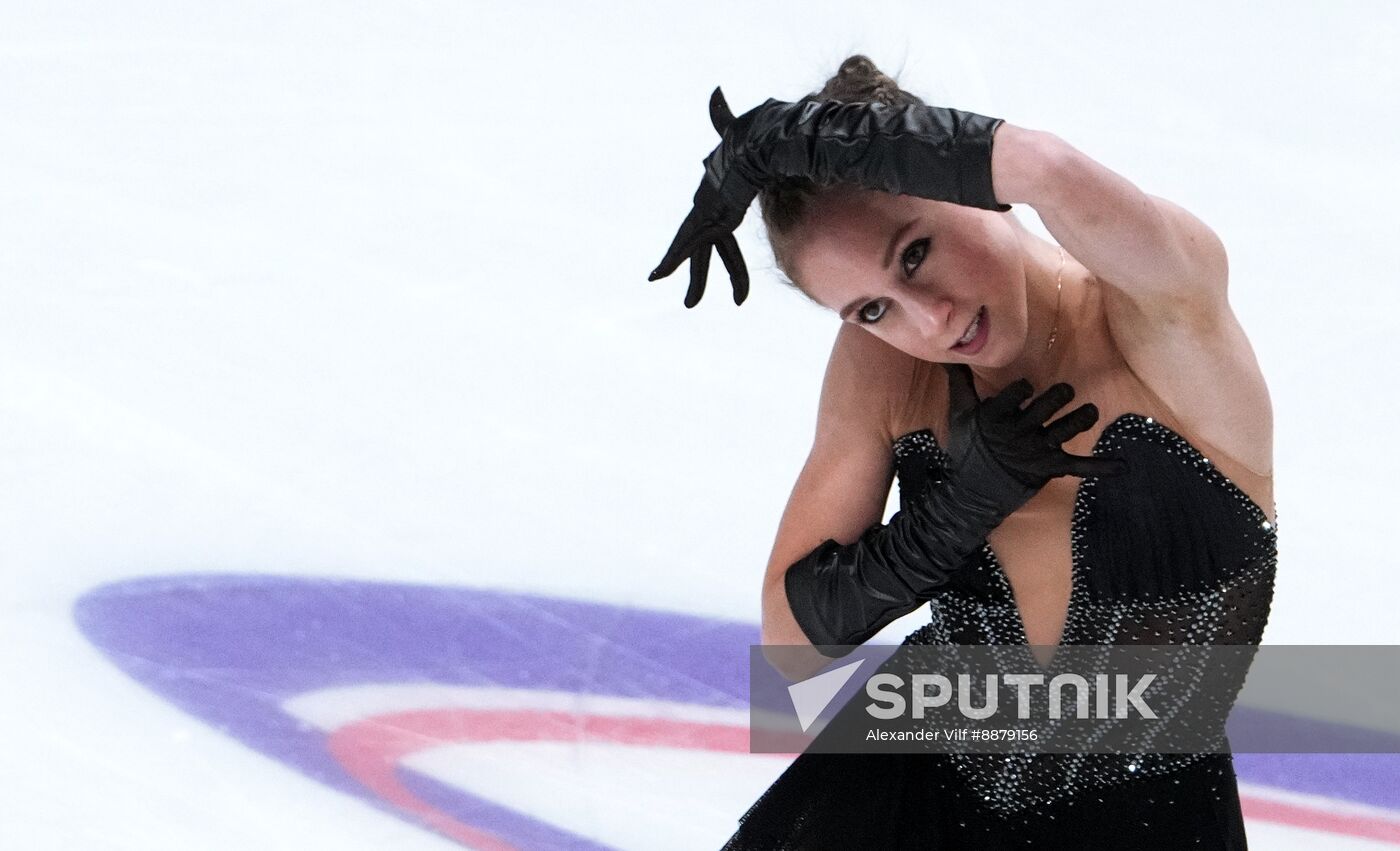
915 273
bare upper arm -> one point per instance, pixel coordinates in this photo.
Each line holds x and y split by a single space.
1194 354
845 482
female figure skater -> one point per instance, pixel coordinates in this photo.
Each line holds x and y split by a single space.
1014 528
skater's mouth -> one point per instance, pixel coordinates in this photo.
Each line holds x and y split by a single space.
974 335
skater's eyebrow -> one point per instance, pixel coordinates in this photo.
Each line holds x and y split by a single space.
889 258
852 306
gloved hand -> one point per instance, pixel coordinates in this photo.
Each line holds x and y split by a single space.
995 445
719 206
999 455
931 152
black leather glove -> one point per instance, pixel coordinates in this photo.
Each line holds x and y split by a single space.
932 152
718 207
1000 454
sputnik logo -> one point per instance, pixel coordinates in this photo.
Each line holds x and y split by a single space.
812 695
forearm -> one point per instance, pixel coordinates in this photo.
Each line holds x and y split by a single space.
841 593
844 594
785 645
928 151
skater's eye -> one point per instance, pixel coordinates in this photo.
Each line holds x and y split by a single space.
863 317
914 255
909 261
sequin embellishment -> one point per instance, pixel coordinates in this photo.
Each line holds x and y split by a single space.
1230 605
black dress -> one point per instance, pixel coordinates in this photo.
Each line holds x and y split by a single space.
1172 552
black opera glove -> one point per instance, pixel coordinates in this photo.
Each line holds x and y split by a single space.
999 455
931 152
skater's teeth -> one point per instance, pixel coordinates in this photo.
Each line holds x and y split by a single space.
971 329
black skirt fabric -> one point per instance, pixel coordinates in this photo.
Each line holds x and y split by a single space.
918 801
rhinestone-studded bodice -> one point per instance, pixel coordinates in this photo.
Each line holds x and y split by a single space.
1172 552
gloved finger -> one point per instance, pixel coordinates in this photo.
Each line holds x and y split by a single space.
1010 397
699 270
962 393
728 248
681 248
720 115
1055 397
1094 466
1072 423
687 239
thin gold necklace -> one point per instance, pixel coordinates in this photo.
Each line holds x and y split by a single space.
1059 286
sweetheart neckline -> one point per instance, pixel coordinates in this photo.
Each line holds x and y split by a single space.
1076 579
1196 453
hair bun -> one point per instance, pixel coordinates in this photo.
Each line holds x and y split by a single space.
859 79
859 65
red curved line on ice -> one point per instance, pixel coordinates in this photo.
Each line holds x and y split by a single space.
1348 824
370 750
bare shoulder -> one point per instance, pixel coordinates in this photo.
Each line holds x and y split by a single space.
1198 359
845 481
867 388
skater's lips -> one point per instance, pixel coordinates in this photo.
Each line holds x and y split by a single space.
962 338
